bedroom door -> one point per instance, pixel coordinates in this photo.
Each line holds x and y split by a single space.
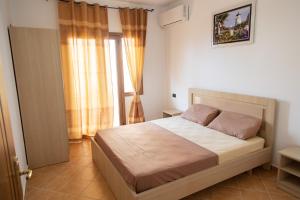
36 56
123 89
119 98
10 183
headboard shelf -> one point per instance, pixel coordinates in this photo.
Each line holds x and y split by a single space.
259 107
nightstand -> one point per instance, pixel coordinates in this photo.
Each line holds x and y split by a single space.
171 113
288 177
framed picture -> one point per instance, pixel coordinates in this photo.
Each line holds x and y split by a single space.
234 25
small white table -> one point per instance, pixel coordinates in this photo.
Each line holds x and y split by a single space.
288 177
171 113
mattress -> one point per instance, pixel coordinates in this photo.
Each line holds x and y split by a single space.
226 147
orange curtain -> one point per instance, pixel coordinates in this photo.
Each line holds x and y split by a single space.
87 79
134 26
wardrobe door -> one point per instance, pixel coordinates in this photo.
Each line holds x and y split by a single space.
36 58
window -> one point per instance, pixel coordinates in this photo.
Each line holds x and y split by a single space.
111 59
122 85
87 78
123 71
82 50
128 88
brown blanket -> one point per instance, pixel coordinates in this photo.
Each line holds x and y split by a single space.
147 155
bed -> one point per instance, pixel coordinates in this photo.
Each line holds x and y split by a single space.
226 156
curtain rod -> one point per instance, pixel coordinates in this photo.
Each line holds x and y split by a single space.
110 7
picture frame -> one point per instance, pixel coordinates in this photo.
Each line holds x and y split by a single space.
234 25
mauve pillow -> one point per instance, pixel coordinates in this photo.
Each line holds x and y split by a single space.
200 114
236 124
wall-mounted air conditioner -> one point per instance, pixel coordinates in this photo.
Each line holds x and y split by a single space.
178 14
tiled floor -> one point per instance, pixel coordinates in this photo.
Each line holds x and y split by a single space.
80 180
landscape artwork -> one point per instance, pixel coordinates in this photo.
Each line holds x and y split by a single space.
233 26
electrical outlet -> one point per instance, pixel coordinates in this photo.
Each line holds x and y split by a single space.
174 95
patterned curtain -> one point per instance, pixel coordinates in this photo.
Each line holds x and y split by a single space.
87 79
134 26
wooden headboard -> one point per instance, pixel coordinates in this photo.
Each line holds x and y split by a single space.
262 108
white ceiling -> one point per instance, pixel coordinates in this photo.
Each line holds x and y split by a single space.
150 2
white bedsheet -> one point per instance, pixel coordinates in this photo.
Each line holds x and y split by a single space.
225 146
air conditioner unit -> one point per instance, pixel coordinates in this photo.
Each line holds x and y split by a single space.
174 15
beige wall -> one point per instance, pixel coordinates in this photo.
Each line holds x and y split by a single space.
43 14
270 67
10 87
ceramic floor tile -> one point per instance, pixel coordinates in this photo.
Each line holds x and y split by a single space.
71 171
88 173
57 183
262 173
81 198
205 194
39 180
226 194
74 188
271 187
56 196
81 161
36 194
98 190
283 197
251 182
250 195
231 183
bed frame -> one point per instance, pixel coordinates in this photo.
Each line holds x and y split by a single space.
259 107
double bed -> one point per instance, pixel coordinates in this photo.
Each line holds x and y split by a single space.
172 158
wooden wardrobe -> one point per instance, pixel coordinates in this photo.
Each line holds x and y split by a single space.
36 58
